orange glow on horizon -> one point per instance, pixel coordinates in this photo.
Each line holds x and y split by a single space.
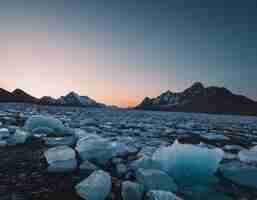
43 65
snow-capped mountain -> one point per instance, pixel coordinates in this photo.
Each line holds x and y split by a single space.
74 99
198 98
71 99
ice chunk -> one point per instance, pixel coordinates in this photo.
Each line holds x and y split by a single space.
95 149
145 163
121 169
240 173
121 149
204 193
215 136
147 151
60 153
230 156
99 150
96 187
248 156
79 133
3 143
189 164
86 168
161 195
233 148
61 159
63 166
153 179
132 190
44 125
60 141
19 137
4 132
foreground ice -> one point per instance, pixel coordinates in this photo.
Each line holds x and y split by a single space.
60 141
119 135
44 125
215 136
4 132
96 187
161 195
153 179
204 193
100 150
248 156
19 137
240 173
189 164
145 163
132 191
61 159
60 153
95 149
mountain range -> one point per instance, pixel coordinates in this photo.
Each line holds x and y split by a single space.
198 98
71 99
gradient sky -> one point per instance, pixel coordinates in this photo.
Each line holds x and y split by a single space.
118 52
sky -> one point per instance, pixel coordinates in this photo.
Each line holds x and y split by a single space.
117 51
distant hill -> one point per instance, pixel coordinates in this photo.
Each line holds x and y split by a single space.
71 99
198 98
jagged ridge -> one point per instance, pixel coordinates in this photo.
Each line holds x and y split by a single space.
71 99
198 98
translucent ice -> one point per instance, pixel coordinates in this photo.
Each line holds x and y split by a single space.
99 150
44 125
161 195
60 153
4 132
248 156
95 149
61 159
132 190
240 173
189 164
153 179
96 187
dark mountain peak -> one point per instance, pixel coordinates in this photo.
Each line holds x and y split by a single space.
168 92
218 91
5 96
71 99
146 102
196 86
196 89
72 93
147 99
4 91
21 96
18 92
75 99
197 98
47 100
1 89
